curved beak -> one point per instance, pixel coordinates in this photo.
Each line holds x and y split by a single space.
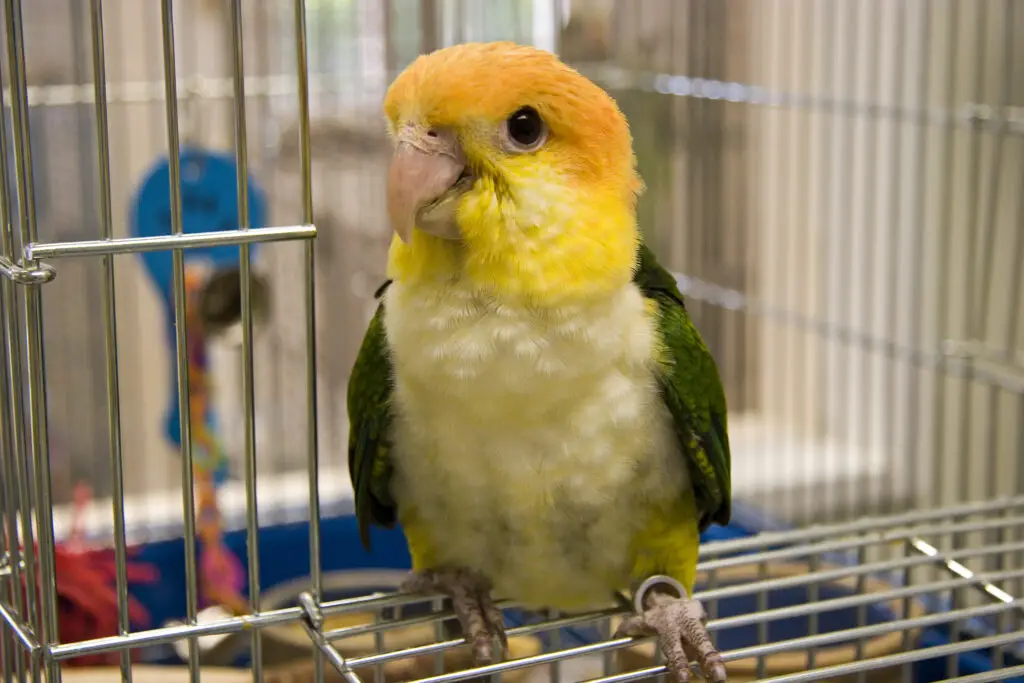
425 167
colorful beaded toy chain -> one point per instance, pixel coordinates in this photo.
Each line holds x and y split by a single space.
220 572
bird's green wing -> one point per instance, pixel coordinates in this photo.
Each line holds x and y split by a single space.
692 391
370 389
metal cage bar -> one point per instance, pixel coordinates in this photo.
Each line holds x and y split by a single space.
927 564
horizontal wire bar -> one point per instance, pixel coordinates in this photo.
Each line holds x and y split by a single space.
880 537
979 349
832 575
833 604
862 525
381 600
887 661
721 624
525 629
391 624
817 674
169 634
218 88
955 365
818 640
730 592
1002 674
491 669
195 87
134 245
971 113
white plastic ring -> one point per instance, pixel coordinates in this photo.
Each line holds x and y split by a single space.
651 582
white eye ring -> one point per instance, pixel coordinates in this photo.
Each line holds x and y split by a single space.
524 131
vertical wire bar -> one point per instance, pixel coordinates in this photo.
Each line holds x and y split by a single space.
437 605
86 427
1016 275
844 262
814 77
12 585
945 161
787 65
110 331
988 229
907 671
8 648
809 28
312 441
244 274
769 125
970 273
825 312
917 249
181 349
34 367
762 626
987 240
801 74
14 480
555 675
1003 618
1014 312
862 612
892 298
846 132
712 584
1020 428
862 369
973 202
953 660
378 646
604 629
1012 343
813 596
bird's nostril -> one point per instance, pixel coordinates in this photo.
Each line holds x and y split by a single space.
432 133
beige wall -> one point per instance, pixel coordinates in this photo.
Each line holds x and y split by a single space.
879 208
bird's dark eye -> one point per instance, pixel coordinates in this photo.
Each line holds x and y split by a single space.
526 130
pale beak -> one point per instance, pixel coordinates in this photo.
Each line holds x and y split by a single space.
427 172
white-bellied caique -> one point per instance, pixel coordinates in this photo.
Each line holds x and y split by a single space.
531 400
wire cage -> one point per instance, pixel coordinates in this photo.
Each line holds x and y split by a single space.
838 186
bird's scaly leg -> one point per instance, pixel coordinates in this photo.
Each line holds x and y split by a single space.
470 593
664 609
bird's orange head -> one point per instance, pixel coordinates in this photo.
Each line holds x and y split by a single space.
512 170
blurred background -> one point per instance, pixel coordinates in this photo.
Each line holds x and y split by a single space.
839 186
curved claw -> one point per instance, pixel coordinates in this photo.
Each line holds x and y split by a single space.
680 626
470 593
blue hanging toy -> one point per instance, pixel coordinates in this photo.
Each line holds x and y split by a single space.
209 203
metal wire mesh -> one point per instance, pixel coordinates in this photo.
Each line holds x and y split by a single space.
837 185
893 564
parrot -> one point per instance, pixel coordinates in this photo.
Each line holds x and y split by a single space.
531 403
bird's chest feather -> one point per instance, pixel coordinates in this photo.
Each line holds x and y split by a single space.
528 440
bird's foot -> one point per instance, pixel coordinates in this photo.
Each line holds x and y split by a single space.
470 593
663 609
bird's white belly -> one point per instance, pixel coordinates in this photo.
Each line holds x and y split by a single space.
530 444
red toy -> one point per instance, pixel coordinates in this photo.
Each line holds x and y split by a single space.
87 592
